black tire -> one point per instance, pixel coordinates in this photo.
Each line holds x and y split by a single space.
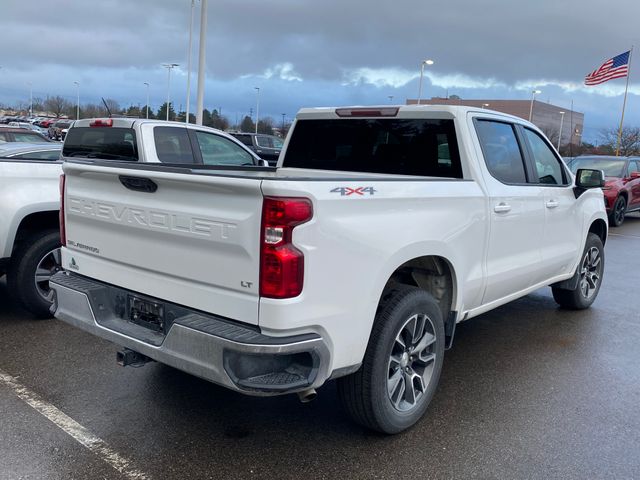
618 212
21 277
585 293
364 394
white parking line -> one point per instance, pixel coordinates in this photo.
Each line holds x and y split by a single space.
79 433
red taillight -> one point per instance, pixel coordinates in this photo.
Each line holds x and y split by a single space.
367 112
282 264
102 122
63 232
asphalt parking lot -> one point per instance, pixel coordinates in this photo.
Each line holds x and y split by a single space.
528 391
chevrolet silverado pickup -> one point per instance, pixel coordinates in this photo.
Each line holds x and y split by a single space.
354 259
29 229
155 141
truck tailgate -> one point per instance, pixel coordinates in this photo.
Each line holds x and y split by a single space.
193 241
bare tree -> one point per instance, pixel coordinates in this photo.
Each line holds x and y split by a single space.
57 105
629 140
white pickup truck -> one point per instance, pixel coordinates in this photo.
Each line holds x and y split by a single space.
29 229
380 230
155 141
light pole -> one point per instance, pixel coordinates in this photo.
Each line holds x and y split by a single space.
77 84
257 107
201 63
189 62
390 97
283 115
560 132
169 67
485 105
30 99
424 62
147 84
533 96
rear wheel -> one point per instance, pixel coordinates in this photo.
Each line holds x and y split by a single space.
401 368
590 272
619 210
32 265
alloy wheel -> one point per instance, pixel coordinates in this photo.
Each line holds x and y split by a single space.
47 267
411 363
590 272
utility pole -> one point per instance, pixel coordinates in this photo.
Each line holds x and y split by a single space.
189 61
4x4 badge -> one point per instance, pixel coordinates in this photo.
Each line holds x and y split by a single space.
347 191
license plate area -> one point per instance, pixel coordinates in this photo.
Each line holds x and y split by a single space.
146 313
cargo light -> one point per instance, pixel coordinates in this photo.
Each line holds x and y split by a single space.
102 122
63 230
367 112
282 264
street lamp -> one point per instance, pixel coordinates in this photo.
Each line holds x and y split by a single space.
169 67
560 132
77 84
533 96
189 62
424 62
283 115
147 84
30 99
485 105
257 107
390 97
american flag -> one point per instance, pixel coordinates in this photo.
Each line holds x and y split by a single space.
616 67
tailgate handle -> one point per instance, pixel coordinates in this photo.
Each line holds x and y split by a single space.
139 184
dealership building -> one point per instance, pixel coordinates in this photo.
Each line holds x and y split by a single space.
545 116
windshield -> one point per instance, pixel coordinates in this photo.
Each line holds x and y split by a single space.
108 143
612 167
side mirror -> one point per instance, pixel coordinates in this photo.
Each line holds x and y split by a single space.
262 163
634 175
587 178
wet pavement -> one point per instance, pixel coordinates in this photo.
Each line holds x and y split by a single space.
528 391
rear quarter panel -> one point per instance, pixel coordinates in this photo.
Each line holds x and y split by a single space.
355 242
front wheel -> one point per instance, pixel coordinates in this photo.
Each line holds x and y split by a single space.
401 368
619 211
590 272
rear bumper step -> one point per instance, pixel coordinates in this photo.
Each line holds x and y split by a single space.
227 353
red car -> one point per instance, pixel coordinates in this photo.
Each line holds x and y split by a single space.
622 183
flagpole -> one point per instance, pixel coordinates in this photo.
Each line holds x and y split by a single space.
624 104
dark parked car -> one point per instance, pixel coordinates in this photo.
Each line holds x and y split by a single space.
267 147
622 183
56 129
21 135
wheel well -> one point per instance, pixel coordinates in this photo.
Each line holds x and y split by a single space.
599 227
433 274
36 222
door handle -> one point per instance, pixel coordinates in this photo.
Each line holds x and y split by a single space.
502 208
552 204
139 184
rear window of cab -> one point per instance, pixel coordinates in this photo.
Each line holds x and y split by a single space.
105 143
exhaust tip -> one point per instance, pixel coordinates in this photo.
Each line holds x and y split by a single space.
307 396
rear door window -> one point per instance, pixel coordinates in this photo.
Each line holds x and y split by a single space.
424 147
44 155
501 151
173 145
109 143
217 150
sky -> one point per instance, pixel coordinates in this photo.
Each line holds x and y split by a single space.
304 53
